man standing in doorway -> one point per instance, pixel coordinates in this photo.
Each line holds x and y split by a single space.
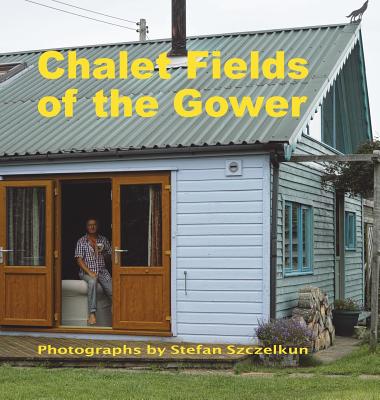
91 253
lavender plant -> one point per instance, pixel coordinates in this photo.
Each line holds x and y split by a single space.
285 332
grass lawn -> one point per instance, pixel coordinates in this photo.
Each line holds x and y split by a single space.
40 383
360 362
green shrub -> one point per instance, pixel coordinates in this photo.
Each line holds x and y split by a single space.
346 305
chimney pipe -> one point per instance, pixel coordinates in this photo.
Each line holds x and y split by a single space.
178 29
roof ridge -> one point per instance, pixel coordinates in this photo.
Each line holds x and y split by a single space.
163 40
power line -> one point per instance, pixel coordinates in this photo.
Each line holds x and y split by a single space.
94 12
82 16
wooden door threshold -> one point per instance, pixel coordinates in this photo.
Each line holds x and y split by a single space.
86 330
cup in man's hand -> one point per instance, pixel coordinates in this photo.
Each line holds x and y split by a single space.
100 247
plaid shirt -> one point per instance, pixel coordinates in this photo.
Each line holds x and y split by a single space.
86 252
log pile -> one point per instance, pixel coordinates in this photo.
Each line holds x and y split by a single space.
315 312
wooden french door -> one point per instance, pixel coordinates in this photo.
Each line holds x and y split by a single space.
26 254
141 261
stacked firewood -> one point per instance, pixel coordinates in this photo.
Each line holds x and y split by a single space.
315 312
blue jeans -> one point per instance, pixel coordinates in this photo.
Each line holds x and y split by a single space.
91 291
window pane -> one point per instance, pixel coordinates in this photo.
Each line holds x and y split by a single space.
298 238
287 237
338 203
26 226
350 230
141 225
295 238
306 238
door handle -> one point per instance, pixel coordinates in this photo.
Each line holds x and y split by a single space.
117 252
2 251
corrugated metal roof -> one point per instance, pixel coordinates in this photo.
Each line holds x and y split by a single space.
24 132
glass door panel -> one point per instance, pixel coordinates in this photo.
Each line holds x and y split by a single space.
141 225
26 221
26 254
141 264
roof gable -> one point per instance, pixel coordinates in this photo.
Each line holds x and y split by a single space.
346 115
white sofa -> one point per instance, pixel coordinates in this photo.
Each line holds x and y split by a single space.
74 305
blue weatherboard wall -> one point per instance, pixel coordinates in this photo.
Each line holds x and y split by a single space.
220 237
302 183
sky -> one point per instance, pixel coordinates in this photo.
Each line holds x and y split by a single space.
25 26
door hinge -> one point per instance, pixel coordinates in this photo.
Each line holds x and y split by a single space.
168 318
55 316
168 253
168 187
55 253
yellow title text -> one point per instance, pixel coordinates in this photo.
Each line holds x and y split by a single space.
188 102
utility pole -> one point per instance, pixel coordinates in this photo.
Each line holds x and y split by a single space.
143 29
376 254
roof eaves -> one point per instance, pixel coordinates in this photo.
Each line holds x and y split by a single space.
141 152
